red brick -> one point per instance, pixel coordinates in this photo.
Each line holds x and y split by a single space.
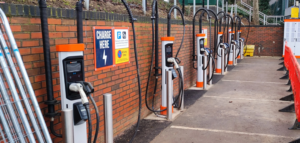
36 35
15 28
62 28
22 36
30 43
24 51
54 21
68 22
55 34
30 58
35 20
61 41
19 20
31 28
68 34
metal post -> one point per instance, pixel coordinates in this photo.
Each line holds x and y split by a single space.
264 19
204 72
108 118
67 122
175 11
226 58
242 50
222 61
217 6
194 7
169 94
250 14
144 6
222 5
182 101
235 5
226 7
210 69
233 56
207 4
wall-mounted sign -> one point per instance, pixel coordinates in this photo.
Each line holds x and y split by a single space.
111 46
121 45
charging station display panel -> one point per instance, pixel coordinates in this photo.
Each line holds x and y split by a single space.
121 44
103 47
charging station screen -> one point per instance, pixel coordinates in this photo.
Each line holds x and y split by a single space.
103 47
73 67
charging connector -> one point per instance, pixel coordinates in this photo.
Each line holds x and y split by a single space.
77 87
172 60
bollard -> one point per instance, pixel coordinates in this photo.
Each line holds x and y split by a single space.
108 117
234 54
67 122
169 94
204 72
226 62
222 61
210 70
182 101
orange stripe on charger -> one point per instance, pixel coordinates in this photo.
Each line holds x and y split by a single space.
199 84
218 70
200 35
297 57
167 38
220 32
165 112
232 32
230 62
70 47
239 30
239 57
292 20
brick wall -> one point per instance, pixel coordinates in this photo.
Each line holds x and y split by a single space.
121 81
268 37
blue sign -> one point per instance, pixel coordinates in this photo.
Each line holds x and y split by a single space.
104 47
119 34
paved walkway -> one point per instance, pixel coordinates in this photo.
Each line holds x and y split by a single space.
241 108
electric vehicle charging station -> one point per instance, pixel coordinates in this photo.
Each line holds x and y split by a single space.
169 65
220 54
71 70
74 94
232 48
201 62
204 57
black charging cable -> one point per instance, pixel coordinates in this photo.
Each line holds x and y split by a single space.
131 19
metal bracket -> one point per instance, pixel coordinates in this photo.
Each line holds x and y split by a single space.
288 98
290 109
296 126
